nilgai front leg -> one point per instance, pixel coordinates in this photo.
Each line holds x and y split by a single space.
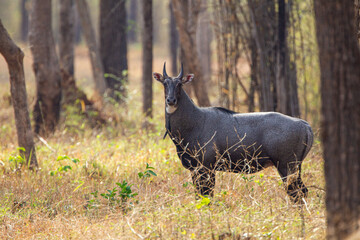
204 181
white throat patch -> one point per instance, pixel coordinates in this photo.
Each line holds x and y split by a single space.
170 109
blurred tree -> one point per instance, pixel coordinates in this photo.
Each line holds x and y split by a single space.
357 19
113 46
89 33
14 58
186 16
339 57
174 41
46 68
24 20
254 76
70 91
147 43
258 33
286 85
132 21
203 40
78 30
227 27
263 29
182 57
66 48
232 40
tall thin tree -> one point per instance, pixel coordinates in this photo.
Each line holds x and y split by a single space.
113 46
203 39
263 25
66 48
14 58
46 68
147 58
339 57
89 34
67 38
174 41
24 20
286 85
132 21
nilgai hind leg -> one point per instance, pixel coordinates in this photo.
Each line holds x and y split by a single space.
291 175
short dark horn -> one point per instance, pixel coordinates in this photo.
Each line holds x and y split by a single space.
181 72
164 71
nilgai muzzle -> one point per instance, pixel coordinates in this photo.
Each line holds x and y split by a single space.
216 139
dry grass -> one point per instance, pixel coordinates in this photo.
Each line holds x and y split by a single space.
41 206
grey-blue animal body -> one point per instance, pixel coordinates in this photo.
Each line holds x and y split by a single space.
216 139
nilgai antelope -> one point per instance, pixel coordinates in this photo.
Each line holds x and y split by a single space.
216 139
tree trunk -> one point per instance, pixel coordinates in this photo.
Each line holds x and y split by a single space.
182 57
187 32
263 25
286 86
174 41
89 34
66 50
67 36
71 93
253 76
132 23
78 30
357 19
340 90
113 46
147 43
46 68
282 84
220 29
203 40
24 20
14 58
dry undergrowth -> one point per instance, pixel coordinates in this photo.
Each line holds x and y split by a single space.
63 200
55 203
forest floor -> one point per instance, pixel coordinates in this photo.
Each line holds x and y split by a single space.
124 182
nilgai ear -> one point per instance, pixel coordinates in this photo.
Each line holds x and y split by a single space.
158 77
188 78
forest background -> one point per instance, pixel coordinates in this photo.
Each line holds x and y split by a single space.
104 170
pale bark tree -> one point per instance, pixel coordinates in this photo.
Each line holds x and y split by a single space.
339 57
14 58
187 24
94 54
46 68
147 57
113 46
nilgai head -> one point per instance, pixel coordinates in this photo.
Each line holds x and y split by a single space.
172 87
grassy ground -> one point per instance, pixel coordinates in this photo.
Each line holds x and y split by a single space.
79 191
